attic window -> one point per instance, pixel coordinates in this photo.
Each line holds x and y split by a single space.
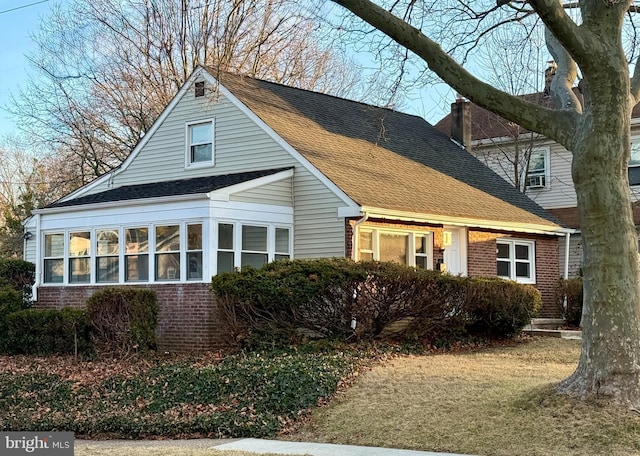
199 89
199 137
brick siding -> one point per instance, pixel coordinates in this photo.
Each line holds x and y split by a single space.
188 316
482 262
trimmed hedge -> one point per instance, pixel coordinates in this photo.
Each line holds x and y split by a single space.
19 275
123 320
10 301
572 290
46 331
292 301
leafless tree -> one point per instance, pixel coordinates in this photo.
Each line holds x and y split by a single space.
104 70
596 128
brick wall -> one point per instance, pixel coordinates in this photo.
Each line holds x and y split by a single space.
188 318
482 262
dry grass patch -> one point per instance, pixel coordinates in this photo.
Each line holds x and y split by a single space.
498 401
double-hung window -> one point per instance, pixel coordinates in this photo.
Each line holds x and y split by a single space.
516 260
136 254
107 255
538 170
167 258
54 258
634 164
254 246
200 143
80 257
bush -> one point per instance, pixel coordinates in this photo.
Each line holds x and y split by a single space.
572 290
287 302
47 331
19 275
123 320
499 308
10 301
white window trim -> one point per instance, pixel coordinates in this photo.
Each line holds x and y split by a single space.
188 164
411 247
121 253
546 152
237 241
512 259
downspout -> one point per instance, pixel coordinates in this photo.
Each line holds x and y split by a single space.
38 272
566 255
354 236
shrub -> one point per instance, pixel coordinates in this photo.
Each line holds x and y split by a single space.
286 302
19 275
10 301
499 308
572 290
123 319
47 331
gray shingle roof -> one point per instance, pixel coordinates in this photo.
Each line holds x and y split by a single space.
198 185
383 158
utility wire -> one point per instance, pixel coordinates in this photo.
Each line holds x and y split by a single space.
23 6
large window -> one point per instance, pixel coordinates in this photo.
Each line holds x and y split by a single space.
200 143
171 252
403 247
516 260
241 245
538 171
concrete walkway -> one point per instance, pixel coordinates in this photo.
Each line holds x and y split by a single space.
317 449
259 446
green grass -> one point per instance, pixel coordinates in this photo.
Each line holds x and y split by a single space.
498 401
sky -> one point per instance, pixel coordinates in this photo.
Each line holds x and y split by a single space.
19 19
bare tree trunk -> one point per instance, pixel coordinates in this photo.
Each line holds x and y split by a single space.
610 359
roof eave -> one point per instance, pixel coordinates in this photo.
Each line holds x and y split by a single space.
519 227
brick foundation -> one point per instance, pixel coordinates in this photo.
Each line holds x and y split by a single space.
188 318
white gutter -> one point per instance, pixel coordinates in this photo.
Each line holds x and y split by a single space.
354 236
532 228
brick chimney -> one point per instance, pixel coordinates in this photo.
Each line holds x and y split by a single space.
461 122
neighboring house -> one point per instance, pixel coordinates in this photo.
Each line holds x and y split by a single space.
238 171
546 178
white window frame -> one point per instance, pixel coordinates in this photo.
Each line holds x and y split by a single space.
151 252
188 126
536 175
411 244
513 260
635 167
237 240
